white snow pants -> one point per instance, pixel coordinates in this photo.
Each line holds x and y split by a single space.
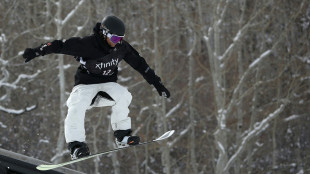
80 100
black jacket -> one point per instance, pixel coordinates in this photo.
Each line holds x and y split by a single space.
99 61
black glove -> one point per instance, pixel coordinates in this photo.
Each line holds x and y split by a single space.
31 53
161 89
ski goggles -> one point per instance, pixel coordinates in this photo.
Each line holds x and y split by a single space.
114 38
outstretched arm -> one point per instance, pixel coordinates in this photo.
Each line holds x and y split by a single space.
138 63
73 46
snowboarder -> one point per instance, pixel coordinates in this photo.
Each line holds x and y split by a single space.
95 81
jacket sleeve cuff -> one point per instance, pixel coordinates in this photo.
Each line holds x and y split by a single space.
150 76
38 51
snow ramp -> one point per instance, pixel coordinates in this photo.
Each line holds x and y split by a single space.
14 163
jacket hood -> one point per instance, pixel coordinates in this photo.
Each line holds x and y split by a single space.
96 29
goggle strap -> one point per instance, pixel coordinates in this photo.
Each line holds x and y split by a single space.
105 31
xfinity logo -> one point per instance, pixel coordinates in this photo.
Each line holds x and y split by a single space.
113 62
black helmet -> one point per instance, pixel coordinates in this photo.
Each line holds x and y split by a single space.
114 25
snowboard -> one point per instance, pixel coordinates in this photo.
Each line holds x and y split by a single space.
44 167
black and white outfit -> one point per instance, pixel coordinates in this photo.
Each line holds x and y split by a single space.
95 79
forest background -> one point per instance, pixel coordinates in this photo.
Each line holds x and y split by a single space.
237 70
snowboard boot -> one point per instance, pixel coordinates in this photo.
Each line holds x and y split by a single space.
78 150
123 138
